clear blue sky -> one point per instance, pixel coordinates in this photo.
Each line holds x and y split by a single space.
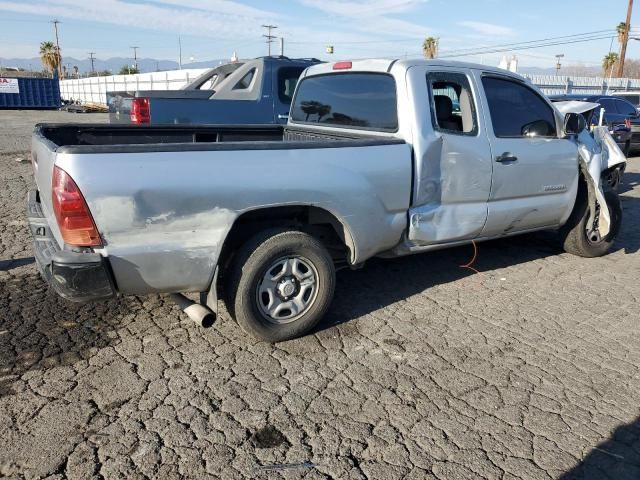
357 28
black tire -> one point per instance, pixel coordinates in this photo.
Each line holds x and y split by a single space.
574 233
251 264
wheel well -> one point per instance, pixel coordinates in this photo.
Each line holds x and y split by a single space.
314 220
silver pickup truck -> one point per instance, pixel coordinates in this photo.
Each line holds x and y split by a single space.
379 158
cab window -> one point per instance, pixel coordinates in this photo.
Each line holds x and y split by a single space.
245 82
287 80
452 107
516 110
365 101
625 108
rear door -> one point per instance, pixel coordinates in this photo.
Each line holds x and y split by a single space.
534 168
452 155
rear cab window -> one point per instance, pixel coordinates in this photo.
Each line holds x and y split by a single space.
357 100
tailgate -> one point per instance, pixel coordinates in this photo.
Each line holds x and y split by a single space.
119 104
43 157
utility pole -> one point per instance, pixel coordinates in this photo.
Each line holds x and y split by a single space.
55 22
625 40
282 46
558 64
92 58
135 57
268 36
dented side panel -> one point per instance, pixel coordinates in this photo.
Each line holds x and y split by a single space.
164 216
453 172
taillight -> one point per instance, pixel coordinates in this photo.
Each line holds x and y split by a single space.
140 112
342 65
72 213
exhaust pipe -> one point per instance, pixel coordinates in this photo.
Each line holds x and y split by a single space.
200 314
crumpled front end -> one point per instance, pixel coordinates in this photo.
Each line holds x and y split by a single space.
599 153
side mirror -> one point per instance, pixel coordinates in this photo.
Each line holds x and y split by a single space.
574 123
539 128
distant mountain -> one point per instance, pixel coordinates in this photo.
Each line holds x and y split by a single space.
113 64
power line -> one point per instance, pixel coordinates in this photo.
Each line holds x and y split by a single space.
270 38
524 47
573 36
404 39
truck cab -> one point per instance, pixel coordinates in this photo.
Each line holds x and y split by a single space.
497 164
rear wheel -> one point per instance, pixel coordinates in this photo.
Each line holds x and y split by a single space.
584 240
281 284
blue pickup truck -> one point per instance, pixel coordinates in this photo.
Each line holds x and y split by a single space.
255 92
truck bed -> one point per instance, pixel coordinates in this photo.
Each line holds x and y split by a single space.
165 198
100 138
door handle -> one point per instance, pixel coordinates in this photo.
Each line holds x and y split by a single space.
283 116
506 157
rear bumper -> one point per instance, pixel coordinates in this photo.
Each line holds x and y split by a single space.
76 276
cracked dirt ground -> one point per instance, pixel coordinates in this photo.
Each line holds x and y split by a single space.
422 369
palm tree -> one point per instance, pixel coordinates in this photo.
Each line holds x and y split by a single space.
430 47
609 60
75 71
50 56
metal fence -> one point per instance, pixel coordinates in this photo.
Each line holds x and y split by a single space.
554 85
94 89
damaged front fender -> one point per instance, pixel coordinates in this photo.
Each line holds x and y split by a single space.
597 153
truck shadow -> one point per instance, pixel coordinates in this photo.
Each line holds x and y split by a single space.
617 458
383 282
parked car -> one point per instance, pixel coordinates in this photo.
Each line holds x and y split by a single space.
620 116
631 96
373 162
256 92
